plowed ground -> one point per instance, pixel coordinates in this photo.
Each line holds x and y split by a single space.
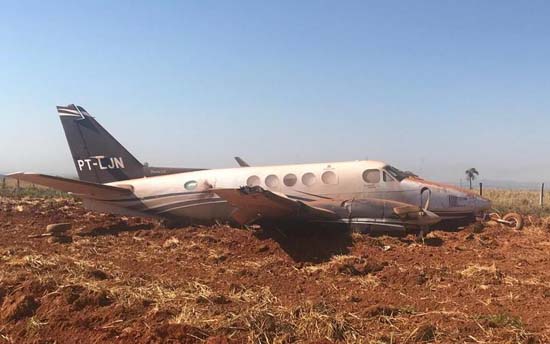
131 281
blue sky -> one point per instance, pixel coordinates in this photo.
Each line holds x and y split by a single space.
430 86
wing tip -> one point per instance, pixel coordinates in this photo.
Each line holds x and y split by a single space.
17 174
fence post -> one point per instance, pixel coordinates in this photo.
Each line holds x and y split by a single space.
18 185
542 195
480 188
3 183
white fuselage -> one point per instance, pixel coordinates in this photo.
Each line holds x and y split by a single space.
189 195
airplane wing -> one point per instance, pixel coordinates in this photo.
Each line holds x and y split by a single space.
253 203
241 162
77 187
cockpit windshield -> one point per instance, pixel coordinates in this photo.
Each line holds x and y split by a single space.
398 174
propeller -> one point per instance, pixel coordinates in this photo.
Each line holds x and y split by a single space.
420 215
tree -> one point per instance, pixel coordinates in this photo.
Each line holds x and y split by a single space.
471 174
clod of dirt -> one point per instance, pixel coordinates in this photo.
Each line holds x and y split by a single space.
3 293
18 306
100 299
355 298
385 339
421 278
173 242
62 239
356 266
179 332
80 297
378 310
217 258
237 288
269 325
98 274
532 339
209 239
220 300
433 240
217 340
478 227
263 248
425 333
58 228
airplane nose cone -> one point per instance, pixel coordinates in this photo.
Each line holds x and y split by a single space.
482 203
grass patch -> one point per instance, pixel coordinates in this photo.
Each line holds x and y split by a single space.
503 320
518 201
32 192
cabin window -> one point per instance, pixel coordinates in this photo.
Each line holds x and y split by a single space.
191 185
290 179
309 179
371 176
253 181
329 177
272 181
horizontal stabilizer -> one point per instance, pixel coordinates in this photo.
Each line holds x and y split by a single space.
253 203
79 188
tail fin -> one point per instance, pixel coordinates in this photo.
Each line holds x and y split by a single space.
98 156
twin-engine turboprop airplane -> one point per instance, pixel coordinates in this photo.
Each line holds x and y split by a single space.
363 194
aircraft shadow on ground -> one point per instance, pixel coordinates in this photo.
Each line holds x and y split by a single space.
115 229
309 244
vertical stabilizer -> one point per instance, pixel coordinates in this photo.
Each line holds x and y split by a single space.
98 156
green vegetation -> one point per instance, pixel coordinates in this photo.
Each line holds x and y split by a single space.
503 320
518 201
8 188
471 174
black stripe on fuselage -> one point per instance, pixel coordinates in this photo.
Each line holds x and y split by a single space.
300 198
195 204
450 212
157 196
314 195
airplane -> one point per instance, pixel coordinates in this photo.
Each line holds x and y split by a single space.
364 194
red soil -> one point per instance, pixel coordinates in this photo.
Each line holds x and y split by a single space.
130 281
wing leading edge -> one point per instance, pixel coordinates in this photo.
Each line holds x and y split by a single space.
253 203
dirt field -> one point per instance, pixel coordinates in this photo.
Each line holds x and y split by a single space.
129 281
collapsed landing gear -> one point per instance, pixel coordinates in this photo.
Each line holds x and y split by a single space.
424 230
510 220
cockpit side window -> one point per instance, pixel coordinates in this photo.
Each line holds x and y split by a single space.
387 177
397 174
371 176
